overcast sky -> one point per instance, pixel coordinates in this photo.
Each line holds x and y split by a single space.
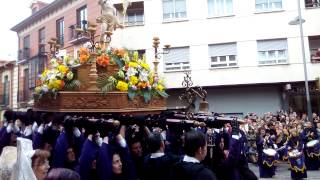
12 12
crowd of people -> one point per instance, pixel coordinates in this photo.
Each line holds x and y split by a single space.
55 146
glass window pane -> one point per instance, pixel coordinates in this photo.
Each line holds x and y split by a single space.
210 7
214 59
168 7
222 58
282 54
262 55
229 7
232 58
271 54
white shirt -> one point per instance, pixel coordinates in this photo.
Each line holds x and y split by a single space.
156 155
187 158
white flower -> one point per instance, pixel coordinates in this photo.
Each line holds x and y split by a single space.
54 62
131 71
87 45
45 88
143 76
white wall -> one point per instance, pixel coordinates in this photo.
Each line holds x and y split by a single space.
255 99
244 27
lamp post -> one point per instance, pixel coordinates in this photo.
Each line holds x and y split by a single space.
298 21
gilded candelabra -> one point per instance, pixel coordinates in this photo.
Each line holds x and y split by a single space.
54 47
157 55
90 33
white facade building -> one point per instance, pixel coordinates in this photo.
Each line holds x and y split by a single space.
242 52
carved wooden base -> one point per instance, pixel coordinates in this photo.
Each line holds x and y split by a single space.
84 101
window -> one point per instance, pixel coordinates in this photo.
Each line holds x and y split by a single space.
42 40
223 55
174 9
268 5
6 89
135 14
177 59
25 95
220 7
26 47
82 19
36 66
272 51
60 31
312 3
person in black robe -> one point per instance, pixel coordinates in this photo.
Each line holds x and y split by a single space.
297 163
266 168
190 168
307 135
157 165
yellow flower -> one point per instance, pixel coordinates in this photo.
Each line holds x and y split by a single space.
134 80
145 66
122 86
44 73
37 90
133 64
63 69
160 87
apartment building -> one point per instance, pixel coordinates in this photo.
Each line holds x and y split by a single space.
244 53
6 85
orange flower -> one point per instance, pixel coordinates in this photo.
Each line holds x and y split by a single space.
142 85
83 55
121 53
103 60
38 82
60 83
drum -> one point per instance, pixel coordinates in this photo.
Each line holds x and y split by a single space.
270 152
312 143
294 154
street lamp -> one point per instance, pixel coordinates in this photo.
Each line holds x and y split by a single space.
298 21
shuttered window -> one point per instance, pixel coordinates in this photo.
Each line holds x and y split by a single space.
272 51
223 55
177 59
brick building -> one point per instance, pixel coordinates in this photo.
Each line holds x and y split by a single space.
6 85
57 19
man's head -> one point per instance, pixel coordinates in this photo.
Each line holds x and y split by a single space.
155 142
136 148
195 145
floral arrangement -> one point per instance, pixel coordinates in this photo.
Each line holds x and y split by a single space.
134 77
58 77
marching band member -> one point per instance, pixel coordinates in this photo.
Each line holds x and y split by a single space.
267 156
311 144
296 156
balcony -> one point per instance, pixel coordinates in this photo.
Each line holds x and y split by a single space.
24 54
312 3
314 46
76 37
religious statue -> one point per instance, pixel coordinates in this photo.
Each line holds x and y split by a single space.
108 19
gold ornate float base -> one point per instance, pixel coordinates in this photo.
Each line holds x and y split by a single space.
84 101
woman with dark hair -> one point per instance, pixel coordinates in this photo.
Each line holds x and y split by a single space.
62 174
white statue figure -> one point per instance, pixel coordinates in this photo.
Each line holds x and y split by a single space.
108 19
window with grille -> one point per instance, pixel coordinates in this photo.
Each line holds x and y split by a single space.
177 59
82 19
223 55
220 7
174 10
272 51
42 40
268 5
60 31
26 47
6 89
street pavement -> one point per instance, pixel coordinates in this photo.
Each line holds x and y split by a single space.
283 172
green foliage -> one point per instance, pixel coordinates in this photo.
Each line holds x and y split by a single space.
72 85
105 83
